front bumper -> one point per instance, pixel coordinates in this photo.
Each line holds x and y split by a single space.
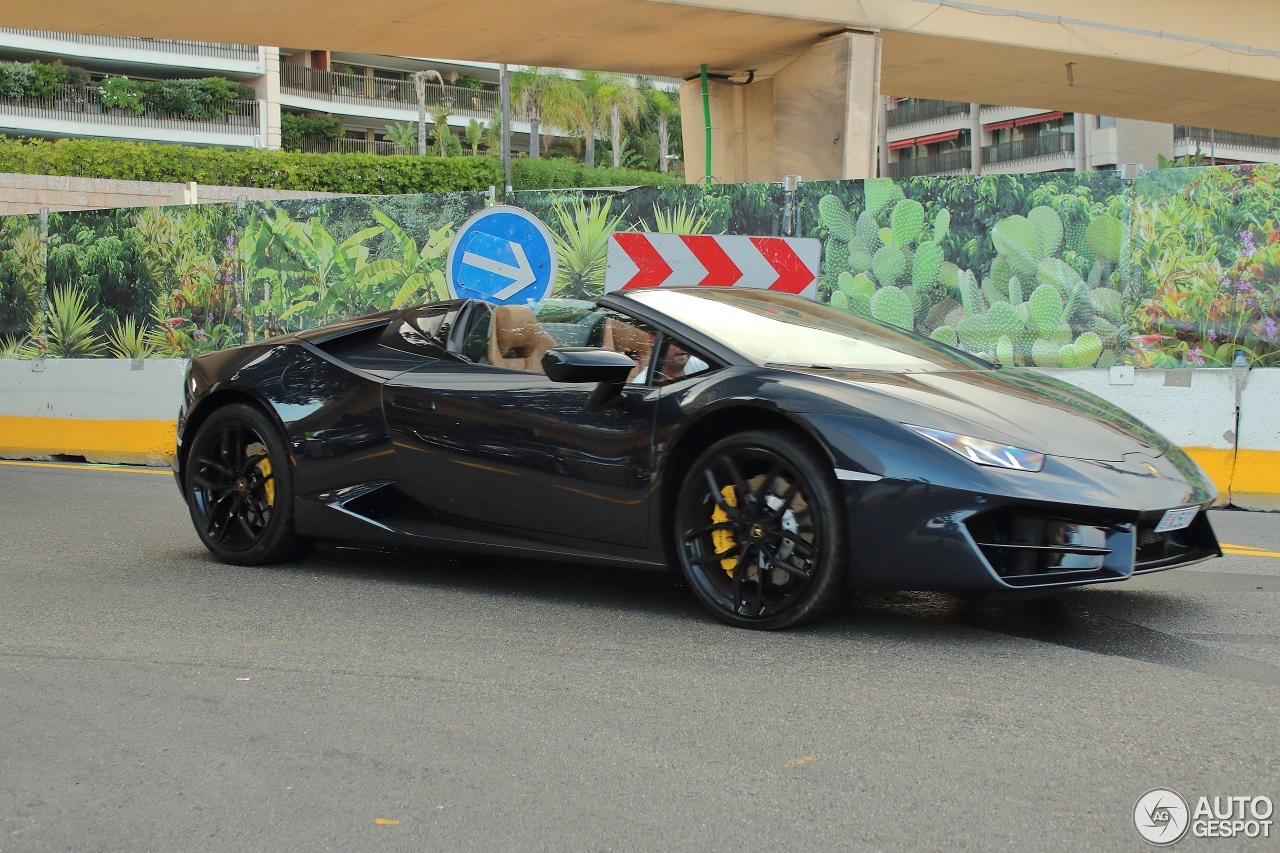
909 535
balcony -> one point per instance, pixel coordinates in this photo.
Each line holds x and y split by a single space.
1183 135
78 111
361 91
1031 146
959 160
142 53
907 112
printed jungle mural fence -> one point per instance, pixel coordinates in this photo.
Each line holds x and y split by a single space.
1179 268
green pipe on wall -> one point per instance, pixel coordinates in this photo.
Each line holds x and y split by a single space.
706 115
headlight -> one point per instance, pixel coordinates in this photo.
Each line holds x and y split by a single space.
984 452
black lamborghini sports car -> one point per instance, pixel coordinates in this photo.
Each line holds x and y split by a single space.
778 451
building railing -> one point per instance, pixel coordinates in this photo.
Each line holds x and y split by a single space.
84 104
189 48
376 91
946 161
907 112
320 145
1225 137
1031 146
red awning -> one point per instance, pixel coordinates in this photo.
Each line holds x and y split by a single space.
999 125
1038 119
901 143
937 137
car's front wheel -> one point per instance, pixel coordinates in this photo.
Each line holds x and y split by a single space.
760 531
239 488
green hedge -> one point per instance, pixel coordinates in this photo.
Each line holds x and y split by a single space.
562 172
366 174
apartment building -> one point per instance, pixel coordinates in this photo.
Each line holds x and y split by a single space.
924 137
367 93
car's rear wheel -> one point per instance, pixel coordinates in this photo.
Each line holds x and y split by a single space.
760 531
239 488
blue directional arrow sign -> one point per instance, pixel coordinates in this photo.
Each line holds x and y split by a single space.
502 255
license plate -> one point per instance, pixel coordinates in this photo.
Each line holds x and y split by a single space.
1176 519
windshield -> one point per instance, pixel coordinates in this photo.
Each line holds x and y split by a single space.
778 328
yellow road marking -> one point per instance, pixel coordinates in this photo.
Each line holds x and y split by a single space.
88 466
382 821
1248 551
796 762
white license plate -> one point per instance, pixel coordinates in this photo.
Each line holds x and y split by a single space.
1176 519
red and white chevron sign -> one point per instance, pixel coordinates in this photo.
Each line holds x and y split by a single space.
645 259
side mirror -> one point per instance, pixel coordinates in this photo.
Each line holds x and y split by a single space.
608 369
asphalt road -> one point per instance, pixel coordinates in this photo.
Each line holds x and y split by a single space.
151 699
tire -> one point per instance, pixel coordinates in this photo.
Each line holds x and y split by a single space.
239 488
775 559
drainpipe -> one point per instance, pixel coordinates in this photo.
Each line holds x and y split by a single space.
706 115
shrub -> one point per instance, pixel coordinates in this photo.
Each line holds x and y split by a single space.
187 99
45 79
16 80
560 173
220 92
121 93
294 128
77 76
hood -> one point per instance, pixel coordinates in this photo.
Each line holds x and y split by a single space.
1014 407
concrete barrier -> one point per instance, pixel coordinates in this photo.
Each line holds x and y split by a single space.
106 410
1256 484
113 410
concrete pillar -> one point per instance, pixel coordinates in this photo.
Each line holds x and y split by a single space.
1141 142
817 117
976 139
267 88
741 131
1083 127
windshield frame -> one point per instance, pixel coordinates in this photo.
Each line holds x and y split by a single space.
930 356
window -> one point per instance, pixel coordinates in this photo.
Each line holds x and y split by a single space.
676 361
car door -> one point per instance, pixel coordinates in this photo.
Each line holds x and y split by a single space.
489 447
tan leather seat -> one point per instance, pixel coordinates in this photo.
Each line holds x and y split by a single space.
516 339
625 338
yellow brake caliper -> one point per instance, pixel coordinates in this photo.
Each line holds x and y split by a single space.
722 540
270 485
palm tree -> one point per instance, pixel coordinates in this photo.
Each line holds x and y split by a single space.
664 107
624 102
474 135
420 89
493 133
440 118
594 111
544 95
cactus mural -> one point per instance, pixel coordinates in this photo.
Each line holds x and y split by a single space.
1043 300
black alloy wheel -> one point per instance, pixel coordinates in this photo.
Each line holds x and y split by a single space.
760 531
239 488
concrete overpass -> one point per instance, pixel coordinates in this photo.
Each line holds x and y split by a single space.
793 84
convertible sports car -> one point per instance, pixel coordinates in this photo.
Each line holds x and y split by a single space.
778 451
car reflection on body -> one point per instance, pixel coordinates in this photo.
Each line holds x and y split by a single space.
810 452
